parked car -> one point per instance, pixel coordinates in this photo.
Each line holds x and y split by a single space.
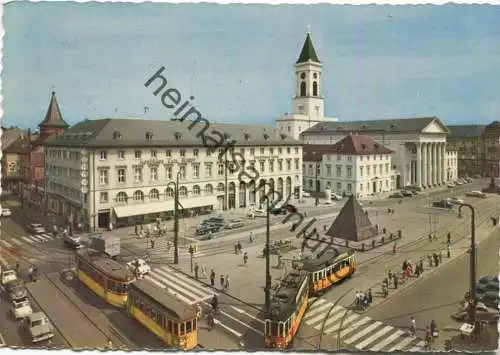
442 204
478 194
457 182
21 308
335 197
35 228
482 313
488 279
306 194
278 210
234 223
396 195
455 200
6 212
72 241
139 267
490 299
38 326
207 228
406 193
450 185
487 287
413 188
16 290
258 213
8 276
218 221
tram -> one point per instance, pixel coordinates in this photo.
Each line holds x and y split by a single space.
287 309
169 318
106 277
329 269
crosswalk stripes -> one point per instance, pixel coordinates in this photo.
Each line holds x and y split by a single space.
16 241
6 243
183 287
26 239
32 239
363 333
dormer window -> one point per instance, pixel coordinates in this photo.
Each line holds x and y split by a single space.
266 136
363 146
247 136
283 136
117 135
177 136
149 136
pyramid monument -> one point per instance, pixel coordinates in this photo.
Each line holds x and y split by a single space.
352 223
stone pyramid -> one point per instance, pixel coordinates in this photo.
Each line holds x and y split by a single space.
352 223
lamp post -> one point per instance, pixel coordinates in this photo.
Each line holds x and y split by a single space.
268 262
176 217
472 265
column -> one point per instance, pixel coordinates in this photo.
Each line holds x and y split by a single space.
424 165
434 163
443 162
439 167
419 164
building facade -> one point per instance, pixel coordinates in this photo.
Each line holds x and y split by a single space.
452 165
468 142
491 139
124 171
356 165
308 101
419 145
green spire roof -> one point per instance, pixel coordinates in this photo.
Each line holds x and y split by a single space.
53 117
308 52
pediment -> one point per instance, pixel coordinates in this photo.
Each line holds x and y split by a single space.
436 126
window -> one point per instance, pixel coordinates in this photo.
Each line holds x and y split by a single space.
209 189
196 190
208 170
280 165
339 171
183 191
368 171
252 151
121 154
103 177
296 148
103 198
339 186
261 150
195 152
154 173
169 192
209 152
137 174
220 187
280 150
328 170
360 187
387 168
349 158
168 153
262 167
349 187
182 172
288 150
168 172
153 154
137 154
103 155
154 194
220 169
361 169
288 165
196 171
182 153
121 197
121 176
138 196
349 171
271 166
296 164
374 170
386 183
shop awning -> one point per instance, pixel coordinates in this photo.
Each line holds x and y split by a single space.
163 206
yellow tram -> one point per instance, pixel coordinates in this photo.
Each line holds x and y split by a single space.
170 319
287 309
329 269
106 277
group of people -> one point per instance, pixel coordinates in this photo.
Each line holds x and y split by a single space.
431 331
155 229
363 300
214 303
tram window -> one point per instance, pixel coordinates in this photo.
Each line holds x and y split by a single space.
336 268
183 328
285 327
266 328
175 328
170 327
274 328
194 324
188 326
280 329
315 277
328 271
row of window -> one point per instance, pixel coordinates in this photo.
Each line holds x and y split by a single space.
332 269
138 154
157 314
282 329
349 169
368 186
111 285
361 157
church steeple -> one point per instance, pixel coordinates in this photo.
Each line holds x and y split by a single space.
53 122
308 52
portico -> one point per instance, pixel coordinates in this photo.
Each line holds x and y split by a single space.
427 166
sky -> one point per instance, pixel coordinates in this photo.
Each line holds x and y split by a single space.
379 61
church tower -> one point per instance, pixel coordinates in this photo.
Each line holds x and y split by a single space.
53 123
308 102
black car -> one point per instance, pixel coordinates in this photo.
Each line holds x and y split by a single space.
278 210
406 193
488 279
16 290
490 299
487 287
442 204
207 228
217 221
396 195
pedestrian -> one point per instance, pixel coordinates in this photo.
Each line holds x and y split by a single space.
152 244
430 237
236 249
245 258
413 326
203 271
226 285
111 226
324 227
212 277
448 251
433 329
395 279
250 237
429 259
18 269
109 344
369 296
421 265
222 283
436 259
196 269
210 321
427 337
239 247
440 256
448 238
394 246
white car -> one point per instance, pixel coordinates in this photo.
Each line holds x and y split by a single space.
139 266
476 194
6 212
450 185
35 228
455 200
38 327
335 197
306 194
8 276
22 308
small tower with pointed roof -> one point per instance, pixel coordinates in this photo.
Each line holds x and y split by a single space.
308 101
53 123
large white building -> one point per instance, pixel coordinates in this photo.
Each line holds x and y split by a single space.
419 145
356 165
122 170
308 102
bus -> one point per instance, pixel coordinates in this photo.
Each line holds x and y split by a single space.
288 306
106 277
169 318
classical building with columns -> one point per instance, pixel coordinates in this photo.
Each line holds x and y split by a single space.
419 145
124 170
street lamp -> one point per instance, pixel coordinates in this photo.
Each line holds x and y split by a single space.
267 288
472 265
176 216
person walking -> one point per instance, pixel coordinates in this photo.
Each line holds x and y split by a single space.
226 285
440 257
210 321
394 246
421 265
245 258
152 244
448 251
236 249
448 238
413 326
369 296
395 279
212 277
203 271
222 283
196 269
428 337
250 237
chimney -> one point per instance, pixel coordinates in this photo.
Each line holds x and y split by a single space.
29 134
